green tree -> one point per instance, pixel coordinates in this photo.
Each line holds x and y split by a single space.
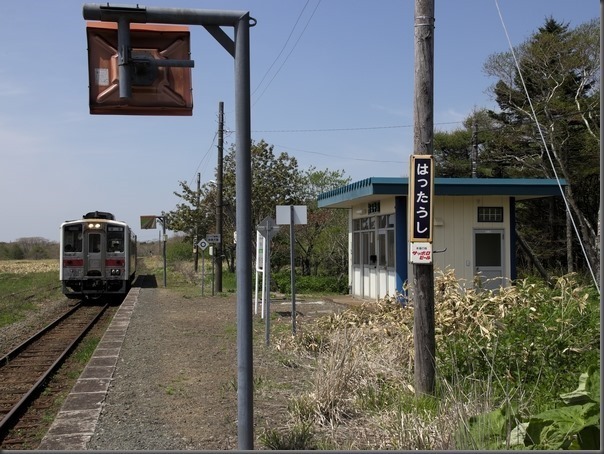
321 244
452 153
557 125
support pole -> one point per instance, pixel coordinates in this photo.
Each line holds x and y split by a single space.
219 202
423 142
163 239
239 49
196 262
123 59
601 162
292 260
266 275
243 186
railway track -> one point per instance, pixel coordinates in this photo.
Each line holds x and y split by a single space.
25 370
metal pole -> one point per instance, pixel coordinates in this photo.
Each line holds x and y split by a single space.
197 222
212 20
267 278
423 320
155 15
243 186
163 224
203 272
123 52
292 260
219 171
212 252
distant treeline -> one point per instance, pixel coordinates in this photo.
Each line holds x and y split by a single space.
36 248
33 248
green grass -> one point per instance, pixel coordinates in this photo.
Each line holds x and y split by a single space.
22 293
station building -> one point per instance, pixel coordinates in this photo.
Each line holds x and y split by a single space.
473 230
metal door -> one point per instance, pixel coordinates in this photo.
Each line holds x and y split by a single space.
369 265
94 253
489 258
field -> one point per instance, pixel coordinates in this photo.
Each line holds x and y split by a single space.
506 363
28 287
28 266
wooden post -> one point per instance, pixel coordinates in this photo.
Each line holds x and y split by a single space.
423 135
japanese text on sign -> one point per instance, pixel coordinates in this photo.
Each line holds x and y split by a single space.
421 189
420 253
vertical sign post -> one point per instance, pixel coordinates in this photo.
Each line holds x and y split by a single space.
292 214
259 269
266 229
149 222
203 244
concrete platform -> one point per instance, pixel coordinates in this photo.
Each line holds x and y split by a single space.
77 419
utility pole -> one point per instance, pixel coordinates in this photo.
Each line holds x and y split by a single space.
423 143
196 248
601 161
219 171
474 146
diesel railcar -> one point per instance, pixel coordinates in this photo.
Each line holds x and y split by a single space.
98 256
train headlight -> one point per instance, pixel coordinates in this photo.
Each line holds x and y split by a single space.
94 226
116 272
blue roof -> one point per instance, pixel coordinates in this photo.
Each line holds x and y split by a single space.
372 188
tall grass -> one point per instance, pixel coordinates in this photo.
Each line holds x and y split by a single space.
501 356
24 286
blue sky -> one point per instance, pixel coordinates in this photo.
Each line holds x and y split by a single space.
338 95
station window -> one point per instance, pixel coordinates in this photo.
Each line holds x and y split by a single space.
490 214
373 241
356 248
373 207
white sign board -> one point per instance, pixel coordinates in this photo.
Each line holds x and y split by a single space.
213 238
203 244
284 214
420 252
267 227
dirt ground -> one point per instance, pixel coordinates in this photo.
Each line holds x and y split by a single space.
175 386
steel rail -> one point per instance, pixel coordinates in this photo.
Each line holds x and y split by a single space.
15 410
14 352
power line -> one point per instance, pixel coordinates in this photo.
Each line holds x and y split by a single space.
290 52
282 49
203 158
369 128
360 128
341 157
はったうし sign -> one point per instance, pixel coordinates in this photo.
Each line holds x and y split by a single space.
421 192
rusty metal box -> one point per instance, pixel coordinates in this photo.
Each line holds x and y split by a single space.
167 92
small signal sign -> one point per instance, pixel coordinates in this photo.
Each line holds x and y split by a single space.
148 222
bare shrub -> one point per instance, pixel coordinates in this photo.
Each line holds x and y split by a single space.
362 394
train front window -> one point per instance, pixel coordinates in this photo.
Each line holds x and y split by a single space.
72 238
94 242
115 239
